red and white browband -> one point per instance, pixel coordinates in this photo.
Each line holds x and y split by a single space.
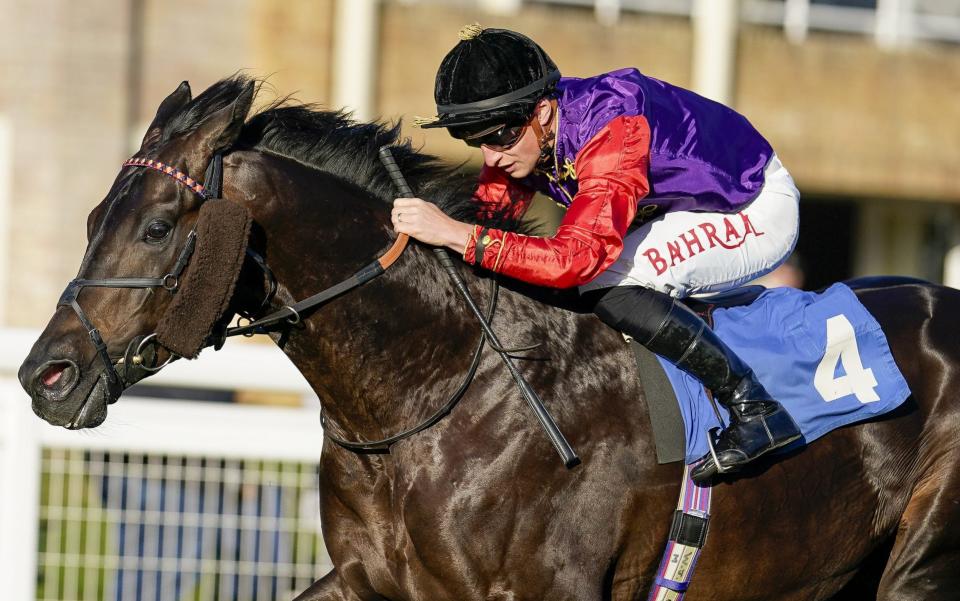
195 186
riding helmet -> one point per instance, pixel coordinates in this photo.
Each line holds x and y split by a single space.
491 76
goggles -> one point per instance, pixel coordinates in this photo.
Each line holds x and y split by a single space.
497 138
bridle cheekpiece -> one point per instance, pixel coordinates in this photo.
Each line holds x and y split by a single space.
133 358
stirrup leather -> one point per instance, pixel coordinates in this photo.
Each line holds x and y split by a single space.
712 435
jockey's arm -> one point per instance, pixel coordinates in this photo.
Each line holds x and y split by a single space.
612 175
496 195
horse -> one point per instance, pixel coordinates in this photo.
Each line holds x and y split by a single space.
477 507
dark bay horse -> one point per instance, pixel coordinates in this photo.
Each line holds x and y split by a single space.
478 507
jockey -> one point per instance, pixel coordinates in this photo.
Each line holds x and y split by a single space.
669 195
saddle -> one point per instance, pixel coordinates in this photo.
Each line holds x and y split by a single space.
821 354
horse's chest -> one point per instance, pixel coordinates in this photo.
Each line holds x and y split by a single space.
419 531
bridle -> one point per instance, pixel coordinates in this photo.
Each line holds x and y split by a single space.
288 315
133 358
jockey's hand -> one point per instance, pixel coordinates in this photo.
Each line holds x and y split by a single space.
427 223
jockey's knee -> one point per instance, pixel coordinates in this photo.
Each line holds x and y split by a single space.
633 310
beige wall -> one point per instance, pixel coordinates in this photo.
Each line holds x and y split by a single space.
61 94
846 117
63 86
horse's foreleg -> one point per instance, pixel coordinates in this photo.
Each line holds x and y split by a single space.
329 588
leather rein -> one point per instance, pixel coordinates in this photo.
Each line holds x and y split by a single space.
286 316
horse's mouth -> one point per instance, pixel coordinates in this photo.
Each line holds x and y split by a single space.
93 409
55 407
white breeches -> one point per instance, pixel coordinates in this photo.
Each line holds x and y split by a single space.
689 253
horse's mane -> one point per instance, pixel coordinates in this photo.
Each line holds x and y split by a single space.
333 142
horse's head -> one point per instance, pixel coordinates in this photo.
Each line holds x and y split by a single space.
132 307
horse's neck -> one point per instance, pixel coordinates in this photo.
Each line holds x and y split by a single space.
382 356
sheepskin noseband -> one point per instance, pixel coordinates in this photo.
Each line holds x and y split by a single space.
223 230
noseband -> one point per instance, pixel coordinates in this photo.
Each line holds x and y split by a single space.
133 358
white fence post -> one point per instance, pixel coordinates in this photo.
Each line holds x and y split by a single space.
607 11
355 57
19 492
715 24
6 225
796 20
894 25
500 7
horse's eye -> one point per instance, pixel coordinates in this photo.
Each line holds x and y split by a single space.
157 231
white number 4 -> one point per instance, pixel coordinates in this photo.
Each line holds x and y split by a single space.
842 346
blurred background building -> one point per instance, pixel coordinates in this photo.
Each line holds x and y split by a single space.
860 99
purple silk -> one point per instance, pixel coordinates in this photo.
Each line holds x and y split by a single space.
704 156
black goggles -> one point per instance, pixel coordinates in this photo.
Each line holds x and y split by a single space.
497 138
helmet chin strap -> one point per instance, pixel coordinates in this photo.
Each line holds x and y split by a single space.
544 138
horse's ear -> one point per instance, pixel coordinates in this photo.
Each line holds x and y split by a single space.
221 129
170 106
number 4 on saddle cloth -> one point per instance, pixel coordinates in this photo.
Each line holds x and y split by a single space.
822 355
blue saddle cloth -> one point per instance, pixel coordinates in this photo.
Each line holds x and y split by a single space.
822 355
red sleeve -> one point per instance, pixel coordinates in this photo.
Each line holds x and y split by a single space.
612 175
496 191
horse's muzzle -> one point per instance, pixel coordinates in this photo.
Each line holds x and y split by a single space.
63 393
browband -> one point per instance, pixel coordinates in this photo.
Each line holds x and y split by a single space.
195 186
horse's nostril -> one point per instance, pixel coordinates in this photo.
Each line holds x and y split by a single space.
53 374
57 376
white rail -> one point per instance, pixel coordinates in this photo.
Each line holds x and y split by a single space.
892 22
148 428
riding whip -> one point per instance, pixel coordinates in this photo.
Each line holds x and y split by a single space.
567 454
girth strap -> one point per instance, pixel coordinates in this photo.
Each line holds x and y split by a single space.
688 534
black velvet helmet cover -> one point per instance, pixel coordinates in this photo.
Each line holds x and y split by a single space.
487 64
223 231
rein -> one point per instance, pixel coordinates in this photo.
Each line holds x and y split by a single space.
383 446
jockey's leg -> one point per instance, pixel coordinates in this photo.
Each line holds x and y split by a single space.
695 253
665 326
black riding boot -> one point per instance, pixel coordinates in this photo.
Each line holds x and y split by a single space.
758 423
